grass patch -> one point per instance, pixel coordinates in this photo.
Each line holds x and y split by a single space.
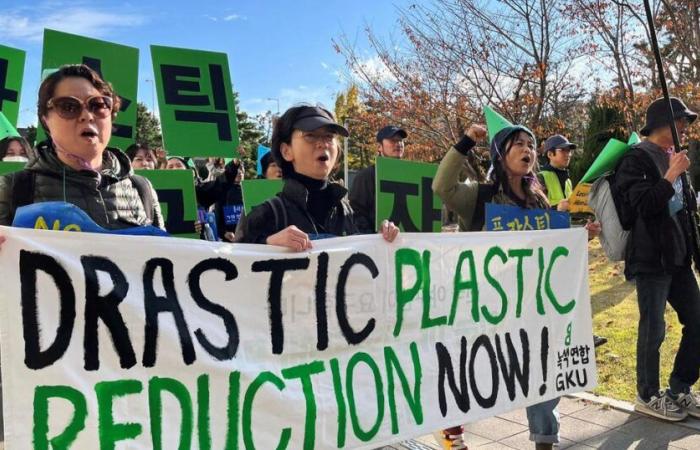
615 316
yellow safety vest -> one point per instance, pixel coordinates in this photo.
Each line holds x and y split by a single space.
554 192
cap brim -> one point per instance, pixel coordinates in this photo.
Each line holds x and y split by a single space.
316 122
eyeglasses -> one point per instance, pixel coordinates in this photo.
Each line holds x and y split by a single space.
316 138
70 108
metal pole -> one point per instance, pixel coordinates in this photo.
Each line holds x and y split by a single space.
345 159
688 197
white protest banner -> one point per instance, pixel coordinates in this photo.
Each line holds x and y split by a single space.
142 342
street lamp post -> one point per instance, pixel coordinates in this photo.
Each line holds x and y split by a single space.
278 103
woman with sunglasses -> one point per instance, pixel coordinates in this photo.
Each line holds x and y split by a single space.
76 109
310 206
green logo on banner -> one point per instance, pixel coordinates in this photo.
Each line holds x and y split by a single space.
405 195
9 167
175 189
195 98
11 72
256 192
117 64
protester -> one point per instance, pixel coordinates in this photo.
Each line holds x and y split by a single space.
226 195
554 175
142 157
363 191
76 109
14 149
511 181
658 257
305 145
270 169
176 163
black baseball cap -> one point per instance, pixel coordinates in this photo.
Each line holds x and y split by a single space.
558 141
312 118
389 132
657 114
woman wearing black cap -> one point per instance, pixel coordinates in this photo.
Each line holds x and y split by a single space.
305 145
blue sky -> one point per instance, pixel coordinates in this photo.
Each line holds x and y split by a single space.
277 49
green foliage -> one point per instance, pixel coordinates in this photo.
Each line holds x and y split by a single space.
605 122
250 134
147 127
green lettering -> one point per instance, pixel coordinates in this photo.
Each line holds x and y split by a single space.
232 411
519 254
413 400
540 276
379 392
493 252
42 394
405 257
340 402
463 285
260 380
203 429
304 372
110 433
561 309
156 386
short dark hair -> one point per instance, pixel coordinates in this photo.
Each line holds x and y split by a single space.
282 133
5 145
133 149
48 88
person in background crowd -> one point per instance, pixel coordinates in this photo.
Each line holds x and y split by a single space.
215 166
14 149
390 144
305 145
658 257
176 163
511 181
226 195
141 157
270 169
554 176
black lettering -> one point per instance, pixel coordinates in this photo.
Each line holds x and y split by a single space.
29 264
223 126
484 402
5 94
229 350
155 304
341 307
429 215
277 268
321 310
512 368
218 87
173 85
105 308
175 223
445 370
399 212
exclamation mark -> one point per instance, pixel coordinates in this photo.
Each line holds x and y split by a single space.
544 352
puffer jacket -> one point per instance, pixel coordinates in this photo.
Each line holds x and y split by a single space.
109 197
261 223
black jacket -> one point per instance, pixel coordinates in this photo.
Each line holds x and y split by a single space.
655 238
362 199
227 198
260 224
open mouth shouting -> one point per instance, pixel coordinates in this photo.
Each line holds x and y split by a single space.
89 133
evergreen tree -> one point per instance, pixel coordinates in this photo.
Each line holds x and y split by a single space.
147 127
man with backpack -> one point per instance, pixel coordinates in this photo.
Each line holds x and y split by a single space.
658 257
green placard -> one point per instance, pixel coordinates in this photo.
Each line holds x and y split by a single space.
405 195
11 74
257 191
9 167
177 199
117 64
195 98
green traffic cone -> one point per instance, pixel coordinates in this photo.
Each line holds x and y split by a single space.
495 122
6 128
